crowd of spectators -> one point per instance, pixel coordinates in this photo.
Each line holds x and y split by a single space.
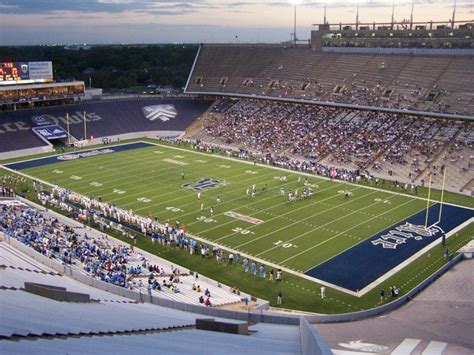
97 256
329 141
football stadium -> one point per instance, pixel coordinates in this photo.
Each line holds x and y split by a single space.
304 197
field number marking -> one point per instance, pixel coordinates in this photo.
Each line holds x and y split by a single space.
119 192
174 209
251 172
383 201
56 171
96 184
143 199
224 166
206 219
75 177
242 231
280 243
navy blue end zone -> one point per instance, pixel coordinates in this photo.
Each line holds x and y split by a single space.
77 155
364 263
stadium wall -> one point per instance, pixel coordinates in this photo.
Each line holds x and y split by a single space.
402 51
26 152
137 135
311 341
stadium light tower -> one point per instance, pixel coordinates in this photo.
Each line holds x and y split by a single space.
357 16
393 13
295 3
325 20
411 15
454 15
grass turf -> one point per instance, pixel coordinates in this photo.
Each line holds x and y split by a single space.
297 235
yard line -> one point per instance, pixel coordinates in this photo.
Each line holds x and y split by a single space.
46 167
206 197
110 168
265 209
321 226
344 232
301 220
312 175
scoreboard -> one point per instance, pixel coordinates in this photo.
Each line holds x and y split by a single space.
12 73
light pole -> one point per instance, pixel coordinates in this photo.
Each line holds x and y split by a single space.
294 3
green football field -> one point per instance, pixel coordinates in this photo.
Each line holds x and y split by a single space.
295 235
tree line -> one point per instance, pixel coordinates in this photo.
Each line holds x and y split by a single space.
112 66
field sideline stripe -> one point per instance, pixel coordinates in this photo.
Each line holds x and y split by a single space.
114 167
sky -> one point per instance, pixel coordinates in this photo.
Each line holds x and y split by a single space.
30 22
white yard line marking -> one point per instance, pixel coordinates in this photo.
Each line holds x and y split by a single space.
312 175
434 348
301 220
329 223
271 219
204 197
406 347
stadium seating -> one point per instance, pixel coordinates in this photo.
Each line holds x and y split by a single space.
109 269
16 134
439 84
104 119
393 146
111 323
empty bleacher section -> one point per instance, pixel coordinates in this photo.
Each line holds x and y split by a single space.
390 145
264 339
16 134
104 119
438 84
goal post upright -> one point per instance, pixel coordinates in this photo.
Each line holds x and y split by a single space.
428 202
442 195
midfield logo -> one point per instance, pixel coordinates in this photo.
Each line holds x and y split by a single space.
162 112
402 234
203 184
